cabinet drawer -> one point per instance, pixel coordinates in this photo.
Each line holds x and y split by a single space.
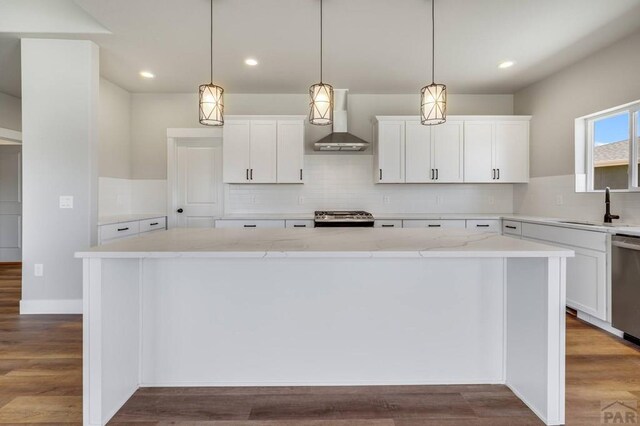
155 224
232 223
490 225
387 224
573 237
119 230
434 223
511 227
299 224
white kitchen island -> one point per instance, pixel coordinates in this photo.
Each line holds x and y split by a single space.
328 306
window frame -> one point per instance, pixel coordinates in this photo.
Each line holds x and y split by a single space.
585 145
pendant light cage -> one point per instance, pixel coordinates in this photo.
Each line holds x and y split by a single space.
321 105
433 104
211 105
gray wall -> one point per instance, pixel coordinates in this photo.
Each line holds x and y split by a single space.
115 131
60 142
10 112
606 79
152 114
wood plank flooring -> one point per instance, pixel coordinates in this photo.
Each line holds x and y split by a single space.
41 382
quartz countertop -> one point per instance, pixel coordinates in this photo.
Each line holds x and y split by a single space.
109 220
322 242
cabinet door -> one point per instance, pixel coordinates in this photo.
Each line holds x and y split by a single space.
418 165
235 151
587 282
390 152
484 225
290 151
478 151
448 145
511 151
263 153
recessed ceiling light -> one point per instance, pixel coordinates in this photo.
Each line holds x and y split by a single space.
147 74
251 62
506 64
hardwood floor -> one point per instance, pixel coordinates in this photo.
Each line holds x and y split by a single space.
41 382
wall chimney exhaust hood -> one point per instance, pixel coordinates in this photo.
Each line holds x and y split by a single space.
340 139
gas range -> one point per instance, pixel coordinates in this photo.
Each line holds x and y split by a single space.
343 219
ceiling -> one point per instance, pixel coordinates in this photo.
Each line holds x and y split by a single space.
371 46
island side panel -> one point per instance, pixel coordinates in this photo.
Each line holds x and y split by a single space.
111 321
306 321
535 349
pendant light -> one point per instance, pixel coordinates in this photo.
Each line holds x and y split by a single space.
321 94
433 98
211 96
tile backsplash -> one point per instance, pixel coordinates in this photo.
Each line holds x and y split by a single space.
344 181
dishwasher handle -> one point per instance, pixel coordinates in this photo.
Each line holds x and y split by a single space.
626 245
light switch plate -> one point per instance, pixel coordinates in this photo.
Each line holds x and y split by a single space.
38 269
66 201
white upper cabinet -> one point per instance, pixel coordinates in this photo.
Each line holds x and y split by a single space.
390 144
418 162
447 146
263 149
496 151
290 151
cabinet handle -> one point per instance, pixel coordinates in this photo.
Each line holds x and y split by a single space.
482 226
250 174
437 174
510 227
299 226
123 229
433 175
247 173
380 174
388 226
154 224
300 174
249 226
498 174
433 226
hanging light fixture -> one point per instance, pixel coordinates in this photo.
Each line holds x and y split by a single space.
433 98
321 105
211 96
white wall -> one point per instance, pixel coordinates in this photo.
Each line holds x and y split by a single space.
345 181
10 112
60 83
152 114
115 131
131 196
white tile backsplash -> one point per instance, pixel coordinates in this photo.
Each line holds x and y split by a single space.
343 181
131 196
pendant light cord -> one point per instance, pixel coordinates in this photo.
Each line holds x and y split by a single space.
321 41
433 41
211 39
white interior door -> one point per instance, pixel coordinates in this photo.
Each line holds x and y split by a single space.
199 184
478 151
418 165
10 203
448 157
263 151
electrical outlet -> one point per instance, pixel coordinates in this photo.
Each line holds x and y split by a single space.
559 200
301 200
253 199
385 199
492 201
38 269
66 202
439 199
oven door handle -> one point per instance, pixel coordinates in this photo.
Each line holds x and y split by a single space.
629 246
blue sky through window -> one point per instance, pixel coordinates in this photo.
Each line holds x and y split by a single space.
612 129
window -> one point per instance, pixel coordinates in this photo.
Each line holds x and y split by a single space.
607 150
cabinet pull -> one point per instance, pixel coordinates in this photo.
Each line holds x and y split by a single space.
433 175
510 227
154 224
434 226
123 229
299 226
247 173
249 226
388 226
300 174
250 174
493 174
498 174
380 174
482 226
437 174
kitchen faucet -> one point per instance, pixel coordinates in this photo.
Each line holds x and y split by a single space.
607 202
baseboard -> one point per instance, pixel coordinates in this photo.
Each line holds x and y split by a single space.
599 323
55 306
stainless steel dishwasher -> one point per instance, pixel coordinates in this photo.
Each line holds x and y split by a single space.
625 286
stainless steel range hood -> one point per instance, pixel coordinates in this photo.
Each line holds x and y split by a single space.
340 139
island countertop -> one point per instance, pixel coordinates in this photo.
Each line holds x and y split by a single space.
322 242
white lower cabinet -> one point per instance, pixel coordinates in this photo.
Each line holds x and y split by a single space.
586 272
485 225
446 223
119 231
386 223
237 223
299 223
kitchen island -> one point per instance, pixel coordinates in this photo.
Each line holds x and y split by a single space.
330 306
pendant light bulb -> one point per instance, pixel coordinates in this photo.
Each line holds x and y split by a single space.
211 96
433 98
321 95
